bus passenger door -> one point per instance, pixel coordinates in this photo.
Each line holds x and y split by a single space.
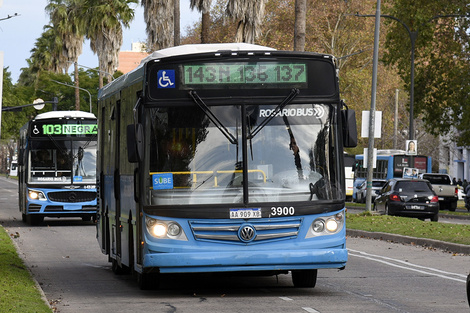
116 226
102 216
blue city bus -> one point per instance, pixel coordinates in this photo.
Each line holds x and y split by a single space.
224 158
57 166
392 164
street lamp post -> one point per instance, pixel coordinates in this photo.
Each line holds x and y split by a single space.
413 36
89 94
93 69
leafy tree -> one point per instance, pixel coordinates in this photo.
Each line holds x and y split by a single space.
442 79
15 96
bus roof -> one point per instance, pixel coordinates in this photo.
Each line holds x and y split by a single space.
203 48
64 114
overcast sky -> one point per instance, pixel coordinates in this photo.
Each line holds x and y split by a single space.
18 34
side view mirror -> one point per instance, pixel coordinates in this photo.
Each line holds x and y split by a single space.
21 157
349 128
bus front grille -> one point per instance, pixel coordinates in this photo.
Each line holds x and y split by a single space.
229 231
72 196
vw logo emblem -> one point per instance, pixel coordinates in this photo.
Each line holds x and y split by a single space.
247 233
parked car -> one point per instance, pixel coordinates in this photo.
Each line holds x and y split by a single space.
357 183
377 185
408 197
468 289
447 191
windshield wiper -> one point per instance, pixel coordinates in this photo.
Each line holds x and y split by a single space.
212 117
294 92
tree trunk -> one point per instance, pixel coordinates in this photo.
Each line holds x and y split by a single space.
77 85
176 21
299 27
205 27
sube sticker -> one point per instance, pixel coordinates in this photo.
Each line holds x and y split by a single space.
162 181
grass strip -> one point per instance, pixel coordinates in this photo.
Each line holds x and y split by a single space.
18 292
454 233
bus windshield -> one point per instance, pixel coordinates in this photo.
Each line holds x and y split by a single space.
194 161
62 161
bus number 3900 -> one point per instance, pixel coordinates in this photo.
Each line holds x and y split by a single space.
282 211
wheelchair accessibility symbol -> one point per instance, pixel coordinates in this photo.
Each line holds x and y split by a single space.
166 78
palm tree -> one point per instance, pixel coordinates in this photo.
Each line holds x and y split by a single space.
103 21
176 19
159 15
249 15
46 53
64 19
203 6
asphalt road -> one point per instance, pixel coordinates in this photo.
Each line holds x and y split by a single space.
380 276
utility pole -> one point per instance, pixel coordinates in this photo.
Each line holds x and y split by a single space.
395 126
370 152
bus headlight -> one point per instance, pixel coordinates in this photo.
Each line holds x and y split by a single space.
164 229
36 195
331 225
326 225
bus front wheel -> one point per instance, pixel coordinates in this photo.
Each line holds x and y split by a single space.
304 278
33 219
148 281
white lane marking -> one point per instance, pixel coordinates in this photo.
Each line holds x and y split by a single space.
409 266
310 310
286 298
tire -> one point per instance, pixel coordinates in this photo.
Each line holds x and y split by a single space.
86 218
34 219
452 206
468 289
435 218
148 281
304 278
118 269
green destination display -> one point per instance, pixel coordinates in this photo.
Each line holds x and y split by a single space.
64 129
245 73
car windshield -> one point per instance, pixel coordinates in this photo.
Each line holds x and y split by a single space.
194 161
412 186
438 179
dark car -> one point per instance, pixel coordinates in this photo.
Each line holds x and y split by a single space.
377 185
408 197
468 289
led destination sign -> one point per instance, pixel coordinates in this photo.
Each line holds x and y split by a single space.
64 129
262 73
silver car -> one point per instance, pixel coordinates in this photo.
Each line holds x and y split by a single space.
377 184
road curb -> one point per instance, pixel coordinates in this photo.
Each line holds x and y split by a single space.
431 243
31 274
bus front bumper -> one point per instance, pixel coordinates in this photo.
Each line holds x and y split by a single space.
235 261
